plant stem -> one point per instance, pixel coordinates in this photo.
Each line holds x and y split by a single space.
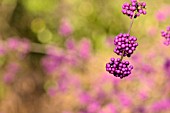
128 33
38 48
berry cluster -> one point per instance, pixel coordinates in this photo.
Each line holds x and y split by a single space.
134 7
119 68
166 35
125 44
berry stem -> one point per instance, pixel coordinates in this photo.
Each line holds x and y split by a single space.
131 23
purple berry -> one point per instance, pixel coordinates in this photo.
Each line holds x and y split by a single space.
119 68
125 43
134 7
166 35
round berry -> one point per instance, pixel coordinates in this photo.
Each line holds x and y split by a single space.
119 68
125 44
134 7
166 35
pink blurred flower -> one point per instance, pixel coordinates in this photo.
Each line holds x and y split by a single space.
54 51
8 78
125 100
110 41
13 43
65 28
85 98
63 81
136 57
11 72
160 106
93 107
24 46
49 64
2 48
53 60
143 95
163 13
70 44
161 16
20 45
85 48
106 78
72 58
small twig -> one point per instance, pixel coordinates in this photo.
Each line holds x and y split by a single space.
128 33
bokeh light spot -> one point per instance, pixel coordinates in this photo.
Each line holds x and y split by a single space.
37 25
45 36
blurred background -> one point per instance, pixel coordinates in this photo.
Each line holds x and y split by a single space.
53 55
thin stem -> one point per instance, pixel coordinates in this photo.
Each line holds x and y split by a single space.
38 48
132 21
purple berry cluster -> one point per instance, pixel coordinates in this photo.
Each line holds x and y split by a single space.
119 68
134 7
166 35
125 44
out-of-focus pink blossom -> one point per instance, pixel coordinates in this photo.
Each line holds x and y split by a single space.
70 44
13 43
85 48
24 46
136 58
101 95
110 41
85 98
72 58
106 78
125 100
143 95
142 66
2 48
161 16
52 60
54 51
147 68
93 107
11 72
63 81
65 28
74 82
8 78
20 45
49 64
163 13
161 106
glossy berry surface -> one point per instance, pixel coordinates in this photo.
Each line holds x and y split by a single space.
134 7
166 35
119 68
125 44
